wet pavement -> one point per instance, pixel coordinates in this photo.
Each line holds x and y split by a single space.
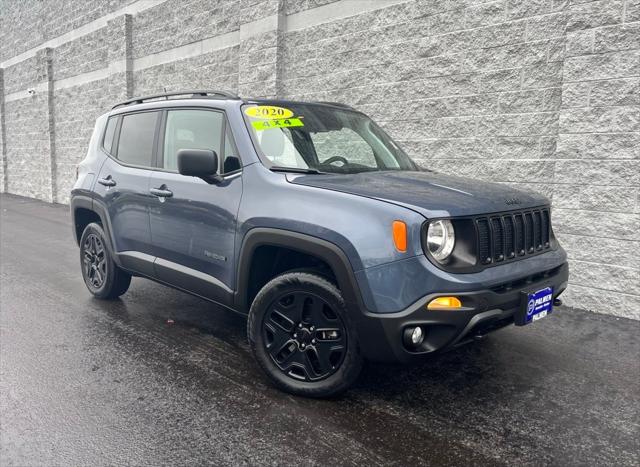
87 382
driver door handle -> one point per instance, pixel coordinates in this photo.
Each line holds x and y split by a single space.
161 192
108 181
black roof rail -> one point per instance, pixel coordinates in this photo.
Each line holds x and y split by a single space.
166 95
337 104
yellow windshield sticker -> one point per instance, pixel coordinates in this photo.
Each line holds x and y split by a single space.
270 112
260 125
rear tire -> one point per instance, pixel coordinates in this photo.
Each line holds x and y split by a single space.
302 336
102 276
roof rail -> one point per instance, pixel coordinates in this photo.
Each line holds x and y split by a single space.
337 104
166 95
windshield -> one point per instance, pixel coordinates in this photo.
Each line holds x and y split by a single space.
323 138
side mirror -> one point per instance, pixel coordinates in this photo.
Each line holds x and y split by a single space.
200 163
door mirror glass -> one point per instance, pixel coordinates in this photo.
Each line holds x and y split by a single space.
201 163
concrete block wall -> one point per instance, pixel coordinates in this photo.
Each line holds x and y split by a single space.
27 143
178 22
28 24
73 129
596 196
3 159
220 67
538 94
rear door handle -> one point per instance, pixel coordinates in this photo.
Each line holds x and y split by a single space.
108 181
161 192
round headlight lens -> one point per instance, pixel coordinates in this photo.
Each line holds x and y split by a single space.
440 239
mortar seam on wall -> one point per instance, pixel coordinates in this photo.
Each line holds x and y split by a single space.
3 134
48 57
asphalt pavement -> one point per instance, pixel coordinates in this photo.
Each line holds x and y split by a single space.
89 382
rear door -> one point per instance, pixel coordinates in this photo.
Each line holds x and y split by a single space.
193 227
123 186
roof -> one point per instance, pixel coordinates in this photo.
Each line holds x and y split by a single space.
221 95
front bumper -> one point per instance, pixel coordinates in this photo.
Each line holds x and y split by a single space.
483 311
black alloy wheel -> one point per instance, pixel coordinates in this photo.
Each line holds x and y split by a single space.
101 274
304 336
95 264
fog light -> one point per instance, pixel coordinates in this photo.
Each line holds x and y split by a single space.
416 336
413 337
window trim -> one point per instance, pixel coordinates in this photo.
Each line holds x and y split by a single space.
233 145
116 138
158 143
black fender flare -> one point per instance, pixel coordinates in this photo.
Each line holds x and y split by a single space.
89 203
333 255
79 202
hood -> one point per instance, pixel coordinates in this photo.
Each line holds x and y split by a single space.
430 194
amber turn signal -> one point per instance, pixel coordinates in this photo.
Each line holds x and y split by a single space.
444 303
400 236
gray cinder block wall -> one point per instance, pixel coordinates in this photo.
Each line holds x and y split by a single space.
541 94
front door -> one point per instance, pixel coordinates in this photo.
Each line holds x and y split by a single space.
193 223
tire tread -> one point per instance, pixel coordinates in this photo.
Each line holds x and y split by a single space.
352 363
118 280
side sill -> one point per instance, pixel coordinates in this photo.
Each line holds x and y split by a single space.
178 276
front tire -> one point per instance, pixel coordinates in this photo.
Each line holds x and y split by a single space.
302 337
101 275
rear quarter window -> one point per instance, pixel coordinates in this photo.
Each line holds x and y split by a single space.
109 133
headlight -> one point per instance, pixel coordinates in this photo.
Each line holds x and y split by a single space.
440 239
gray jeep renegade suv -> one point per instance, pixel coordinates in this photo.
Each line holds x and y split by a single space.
309 219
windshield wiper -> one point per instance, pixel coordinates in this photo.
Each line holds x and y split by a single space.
298 170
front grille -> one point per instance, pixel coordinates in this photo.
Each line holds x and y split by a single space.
508 236
483 238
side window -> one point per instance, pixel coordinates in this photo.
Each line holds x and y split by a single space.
191 129
109 132
135 145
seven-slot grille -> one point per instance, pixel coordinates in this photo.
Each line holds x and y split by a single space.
504 237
